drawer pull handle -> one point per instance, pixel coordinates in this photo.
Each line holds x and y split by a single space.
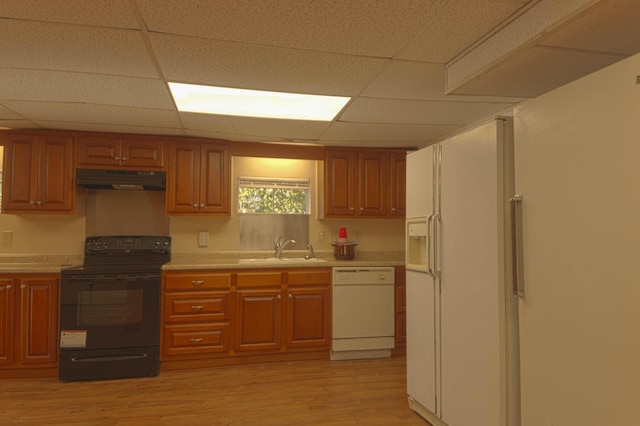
196 339
197 307
197 283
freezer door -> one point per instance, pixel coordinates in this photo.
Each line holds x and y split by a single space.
421 339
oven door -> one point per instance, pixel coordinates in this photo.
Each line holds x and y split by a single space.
109 311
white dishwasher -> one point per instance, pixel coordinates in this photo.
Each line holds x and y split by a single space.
363 312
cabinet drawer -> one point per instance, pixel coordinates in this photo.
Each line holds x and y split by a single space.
196 306
195 339
259 279
194 281
310 276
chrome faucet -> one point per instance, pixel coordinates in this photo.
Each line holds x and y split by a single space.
311 253
281 245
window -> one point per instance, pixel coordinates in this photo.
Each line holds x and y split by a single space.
273 195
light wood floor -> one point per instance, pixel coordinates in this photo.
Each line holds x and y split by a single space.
363 392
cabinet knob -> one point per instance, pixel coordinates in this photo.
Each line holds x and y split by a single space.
197 283
290 296
196 339
8 287
195 206
117 158
124 158
278 297
23 286
32 202
201 205
351 208
197 307
361 209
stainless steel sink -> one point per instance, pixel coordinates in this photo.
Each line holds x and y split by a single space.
282 260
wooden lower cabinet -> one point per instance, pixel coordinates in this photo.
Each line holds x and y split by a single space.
28 325
196 314
309 309
242 316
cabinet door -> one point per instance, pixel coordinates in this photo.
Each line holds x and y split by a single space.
20 176
258 320
141 153
38 174
308 317
398 184
183 178
7 323
38 316
55 180
373 178
340 190
214 179
98 150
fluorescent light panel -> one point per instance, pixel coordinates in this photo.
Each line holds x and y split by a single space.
255 103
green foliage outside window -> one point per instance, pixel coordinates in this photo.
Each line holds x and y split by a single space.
272 200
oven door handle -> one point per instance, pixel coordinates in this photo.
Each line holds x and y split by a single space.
109 358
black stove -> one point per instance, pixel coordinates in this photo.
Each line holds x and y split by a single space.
110 309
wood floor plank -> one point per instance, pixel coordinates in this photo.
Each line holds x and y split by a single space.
319 392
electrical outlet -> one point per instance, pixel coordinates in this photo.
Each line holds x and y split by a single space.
7 238
203 239
321 236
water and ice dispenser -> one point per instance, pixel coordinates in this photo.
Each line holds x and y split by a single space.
417 240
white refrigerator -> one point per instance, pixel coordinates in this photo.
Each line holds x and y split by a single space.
461 315
577 163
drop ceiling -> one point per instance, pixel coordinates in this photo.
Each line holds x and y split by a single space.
416 70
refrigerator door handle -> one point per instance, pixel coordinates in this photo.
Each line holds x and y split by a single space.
437 270
517 262
429 244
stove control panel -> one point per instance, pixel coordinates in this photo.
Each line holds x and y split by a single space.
127 244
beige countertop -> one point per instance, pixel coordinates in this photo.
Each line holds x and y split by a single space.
32 264
36 264
290 259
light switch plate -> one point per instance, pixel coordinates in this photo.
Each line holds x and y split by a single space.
203 239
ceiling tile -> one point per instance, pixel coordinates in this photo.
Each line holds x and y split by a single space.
282 129
359 27
419 81
457 27
395 134
111 13
35 85
99 114
6 114
109 128
367 110
74 48
190 60
208 122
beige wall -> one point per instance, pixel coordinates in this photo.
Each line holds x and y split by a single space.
62 234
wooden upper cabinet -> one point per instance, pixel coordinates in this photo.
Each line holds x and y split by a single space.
398 184
364 183
198 178
340 190
38 173
120 152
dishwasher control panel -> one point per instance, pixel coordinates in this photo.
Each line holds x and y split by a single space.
345 275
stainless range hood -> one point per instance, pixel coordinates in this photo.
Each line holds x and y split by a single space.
121 179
